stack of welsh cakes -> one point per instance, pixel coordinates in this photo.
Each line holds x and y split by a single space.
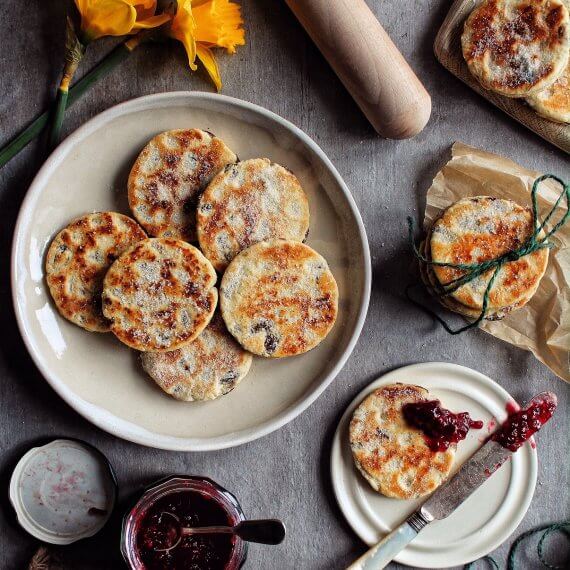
158 294
475 230
521 49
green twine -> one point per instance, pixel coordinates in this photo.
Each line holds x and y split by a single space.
547 528
534 243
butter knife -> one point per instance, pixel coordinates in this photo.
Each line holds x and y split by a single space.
473 473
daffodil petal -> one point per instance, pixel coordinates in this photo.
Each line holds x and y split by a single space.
82 5
207 58
145 8
117 17
144 4
151 22
190 47
182 29
146 17
105 17
218 24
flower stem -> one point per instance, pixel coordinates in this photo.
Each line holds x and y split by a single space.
57 121
74 51
20 141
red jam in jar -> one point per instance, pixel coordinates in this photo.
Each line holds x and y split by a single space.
521 425
151 528
440 426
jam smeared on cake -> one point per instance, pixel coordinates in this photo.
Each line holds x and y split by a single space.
520 425
441 427
157 532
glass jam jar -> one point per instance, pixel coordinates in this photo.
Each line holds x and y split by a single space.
195 501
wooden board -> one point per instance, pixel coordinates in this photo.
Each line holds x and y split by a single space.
447 49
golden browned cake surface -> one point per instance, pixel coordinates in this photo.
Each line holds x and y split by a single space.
393 457
159 295
434 287
168 177
248 202
554 102
517 47
78 259
479 229
279 298
210 366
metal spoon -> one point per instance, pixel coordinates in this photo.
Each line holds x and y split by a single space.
264 531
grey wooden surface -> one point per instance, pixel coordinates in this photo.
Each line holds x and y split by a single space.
285 474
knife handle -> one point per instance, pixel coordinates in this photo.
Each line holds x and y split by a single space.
366 60
380 555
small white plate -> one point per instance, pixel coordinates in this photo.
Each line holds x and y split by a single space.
480 524
103 379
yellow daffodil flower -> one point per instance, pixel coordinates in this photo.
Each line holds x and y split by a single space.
199 24
99 18
203 24
117 17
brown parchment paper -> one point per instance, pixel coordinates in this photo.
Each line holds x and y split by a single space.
543 324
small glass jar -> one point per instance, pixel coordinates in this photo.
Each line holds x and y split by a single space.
171 488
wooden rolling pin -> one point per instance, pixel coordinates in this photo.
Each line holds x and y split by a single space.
368 63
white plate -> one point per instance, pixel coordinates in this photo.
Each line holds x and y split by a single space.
101 378
480 524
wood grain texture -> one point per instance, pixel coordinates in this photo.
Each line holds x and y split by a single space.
447 48
368 63
285 474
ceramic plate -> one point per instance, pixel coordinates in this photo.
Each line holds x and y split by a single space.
481 523
101 378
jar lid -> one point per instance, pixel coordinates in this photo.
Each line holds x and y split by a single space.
63 491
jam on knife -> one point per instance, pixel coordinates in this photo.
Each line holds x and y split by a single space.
441 427
521 424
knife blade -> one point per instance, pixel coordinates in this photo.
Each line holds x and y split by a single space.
472 474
